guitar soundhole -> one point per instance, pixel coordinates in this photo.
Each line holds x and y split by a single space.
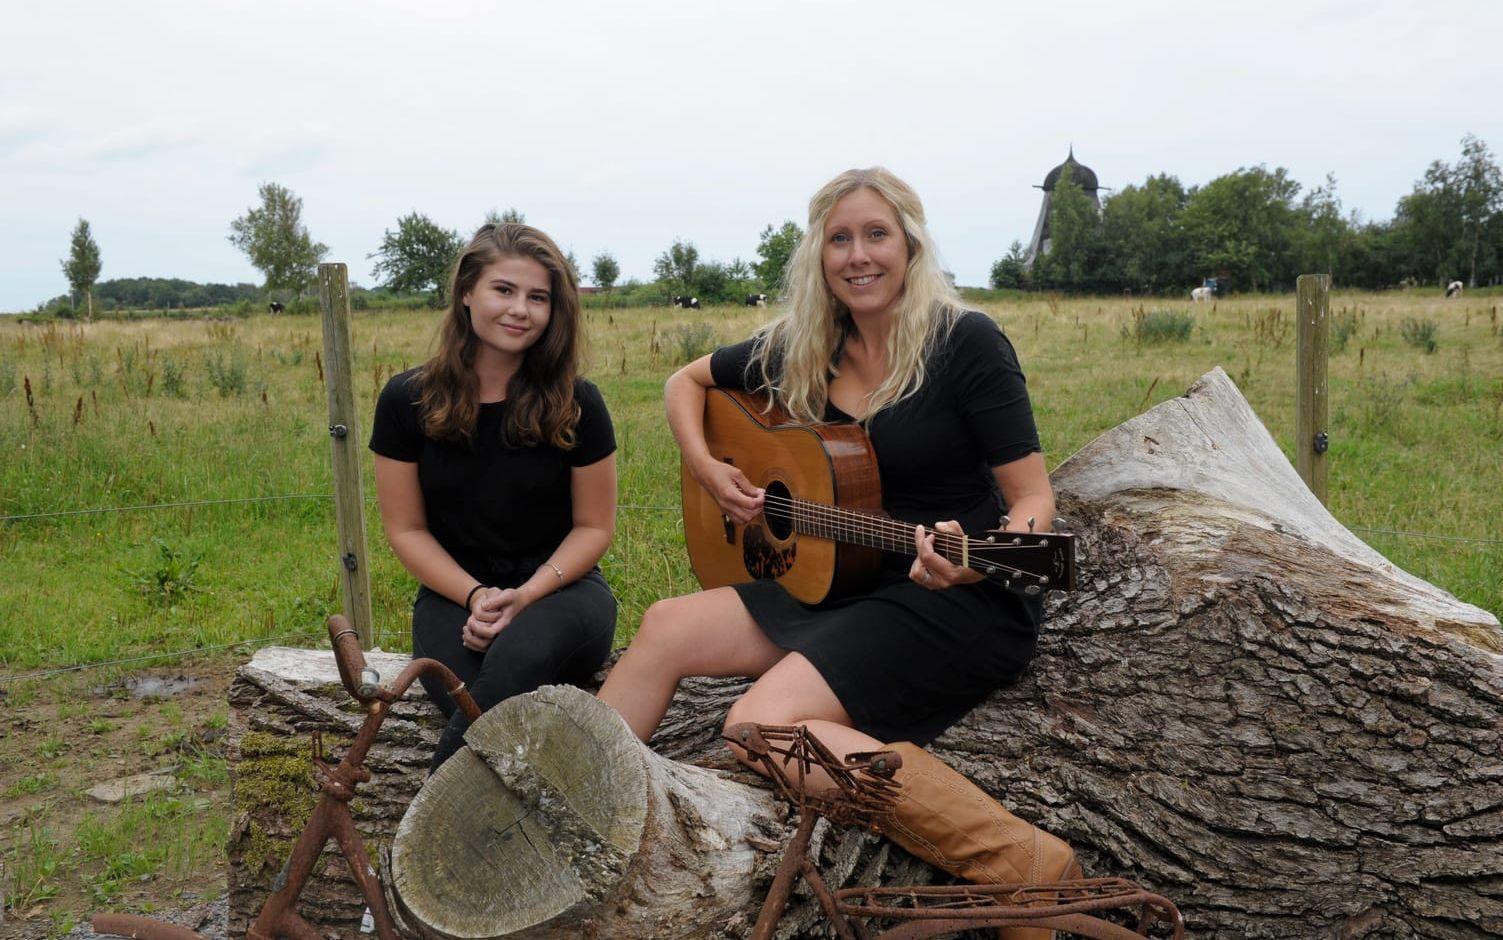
777 510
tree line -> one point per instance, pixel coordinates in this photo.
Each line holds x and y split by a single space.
1254 230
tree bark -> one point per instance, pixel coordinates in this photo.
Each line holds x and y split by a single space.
1244 708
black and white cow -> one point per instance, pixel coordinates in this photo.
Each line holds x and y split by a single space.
276 307
1453 289
756 300
688 303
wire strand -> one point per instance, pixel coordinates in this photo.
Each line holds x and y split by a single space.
243 499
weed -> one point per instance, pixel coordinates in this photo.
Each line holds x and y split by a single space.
1159 326
205 769
226 373
36 864
100 726
1270 328
174 379
1381 398
1419 333
693 340
51 747
171 578
35 783
1343 326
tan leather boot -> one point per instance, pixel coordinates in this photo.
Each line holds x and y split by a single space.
951 823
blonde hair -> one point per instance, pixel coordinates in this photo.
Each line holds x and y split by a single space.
806 337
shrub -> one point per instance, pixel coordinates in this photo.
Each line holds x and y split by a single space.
1160 326
693 340
226 374
1419 333
1343 327
174 379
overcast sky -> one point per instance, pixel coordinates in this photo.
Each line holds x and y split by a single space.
620 126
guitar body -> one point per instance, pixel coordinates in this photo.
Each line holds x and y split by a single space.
831 464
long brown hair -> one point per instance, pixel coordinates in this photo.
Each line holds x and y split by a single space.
541 393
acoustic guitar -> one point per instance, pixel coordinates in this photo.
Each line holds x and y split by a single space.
822 531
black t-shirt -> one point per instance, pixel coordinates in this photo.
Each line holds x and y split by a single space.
498 510
935 448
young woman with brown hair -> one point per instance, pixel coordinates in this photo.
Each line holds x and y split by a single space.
496 477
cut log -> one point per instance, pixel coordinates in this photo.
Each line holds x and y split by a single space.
555 821
1244 708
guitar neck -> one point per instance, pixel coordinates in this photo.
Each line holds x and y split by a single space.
872 531
1037 560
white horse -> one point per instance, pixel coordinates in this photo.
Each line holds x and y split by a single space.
1201 293
1453 289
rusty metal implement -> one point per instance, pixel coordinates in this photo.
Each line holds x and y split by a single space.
331 817
863 792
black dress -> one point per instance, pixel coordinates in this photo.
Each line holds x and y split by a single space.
500 510
907 662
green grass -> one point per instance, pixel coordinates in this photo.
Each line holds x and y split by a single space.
127 413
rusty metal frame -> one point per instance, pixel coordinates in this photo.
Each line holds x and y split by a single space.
331 818
863 792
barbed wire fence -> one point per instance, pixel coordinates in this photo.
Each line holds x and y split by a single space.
258 642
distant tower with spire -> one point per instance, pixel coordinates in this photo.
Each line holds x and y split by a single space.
1082 176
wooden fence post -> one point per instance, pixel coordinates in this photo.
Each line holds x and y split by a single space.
1312 401
344 435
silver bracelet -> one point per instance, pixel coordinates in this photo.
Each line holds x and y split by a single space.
556 570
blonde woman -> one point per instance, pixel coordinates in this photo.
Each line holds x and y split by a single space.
873 332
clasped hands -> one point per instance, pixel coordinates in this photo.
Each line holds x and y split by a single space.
491 609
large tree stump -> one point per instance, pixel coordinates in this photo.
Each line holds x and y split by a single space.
1244 708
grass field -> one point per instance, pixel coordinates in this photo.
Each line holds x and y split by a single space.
122 414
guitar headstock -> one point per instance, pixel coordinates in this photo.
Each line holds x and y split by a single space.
1027 562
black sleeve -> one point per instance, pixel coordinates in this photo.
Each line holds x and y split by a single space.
991 393
729 364
595 438
397 431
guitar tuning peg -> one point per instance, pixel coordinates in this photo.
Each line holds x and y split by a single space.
1032 590
1030 523
991 538
1007 584
1059 523
1006 520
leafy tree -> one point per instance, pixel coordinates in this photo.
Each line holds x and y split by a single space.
1008 272
1143 236
1075 239
1325 235
276 241
775 247
1244 223
1479 189
606 270
1427 221
573 263
81 267
510 215
676 267
418 256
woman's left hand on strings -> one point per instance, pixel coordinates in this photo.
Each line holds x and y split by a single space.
931 569
492 610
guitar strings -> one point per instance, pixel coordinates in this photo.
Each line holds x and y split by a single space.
890 534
